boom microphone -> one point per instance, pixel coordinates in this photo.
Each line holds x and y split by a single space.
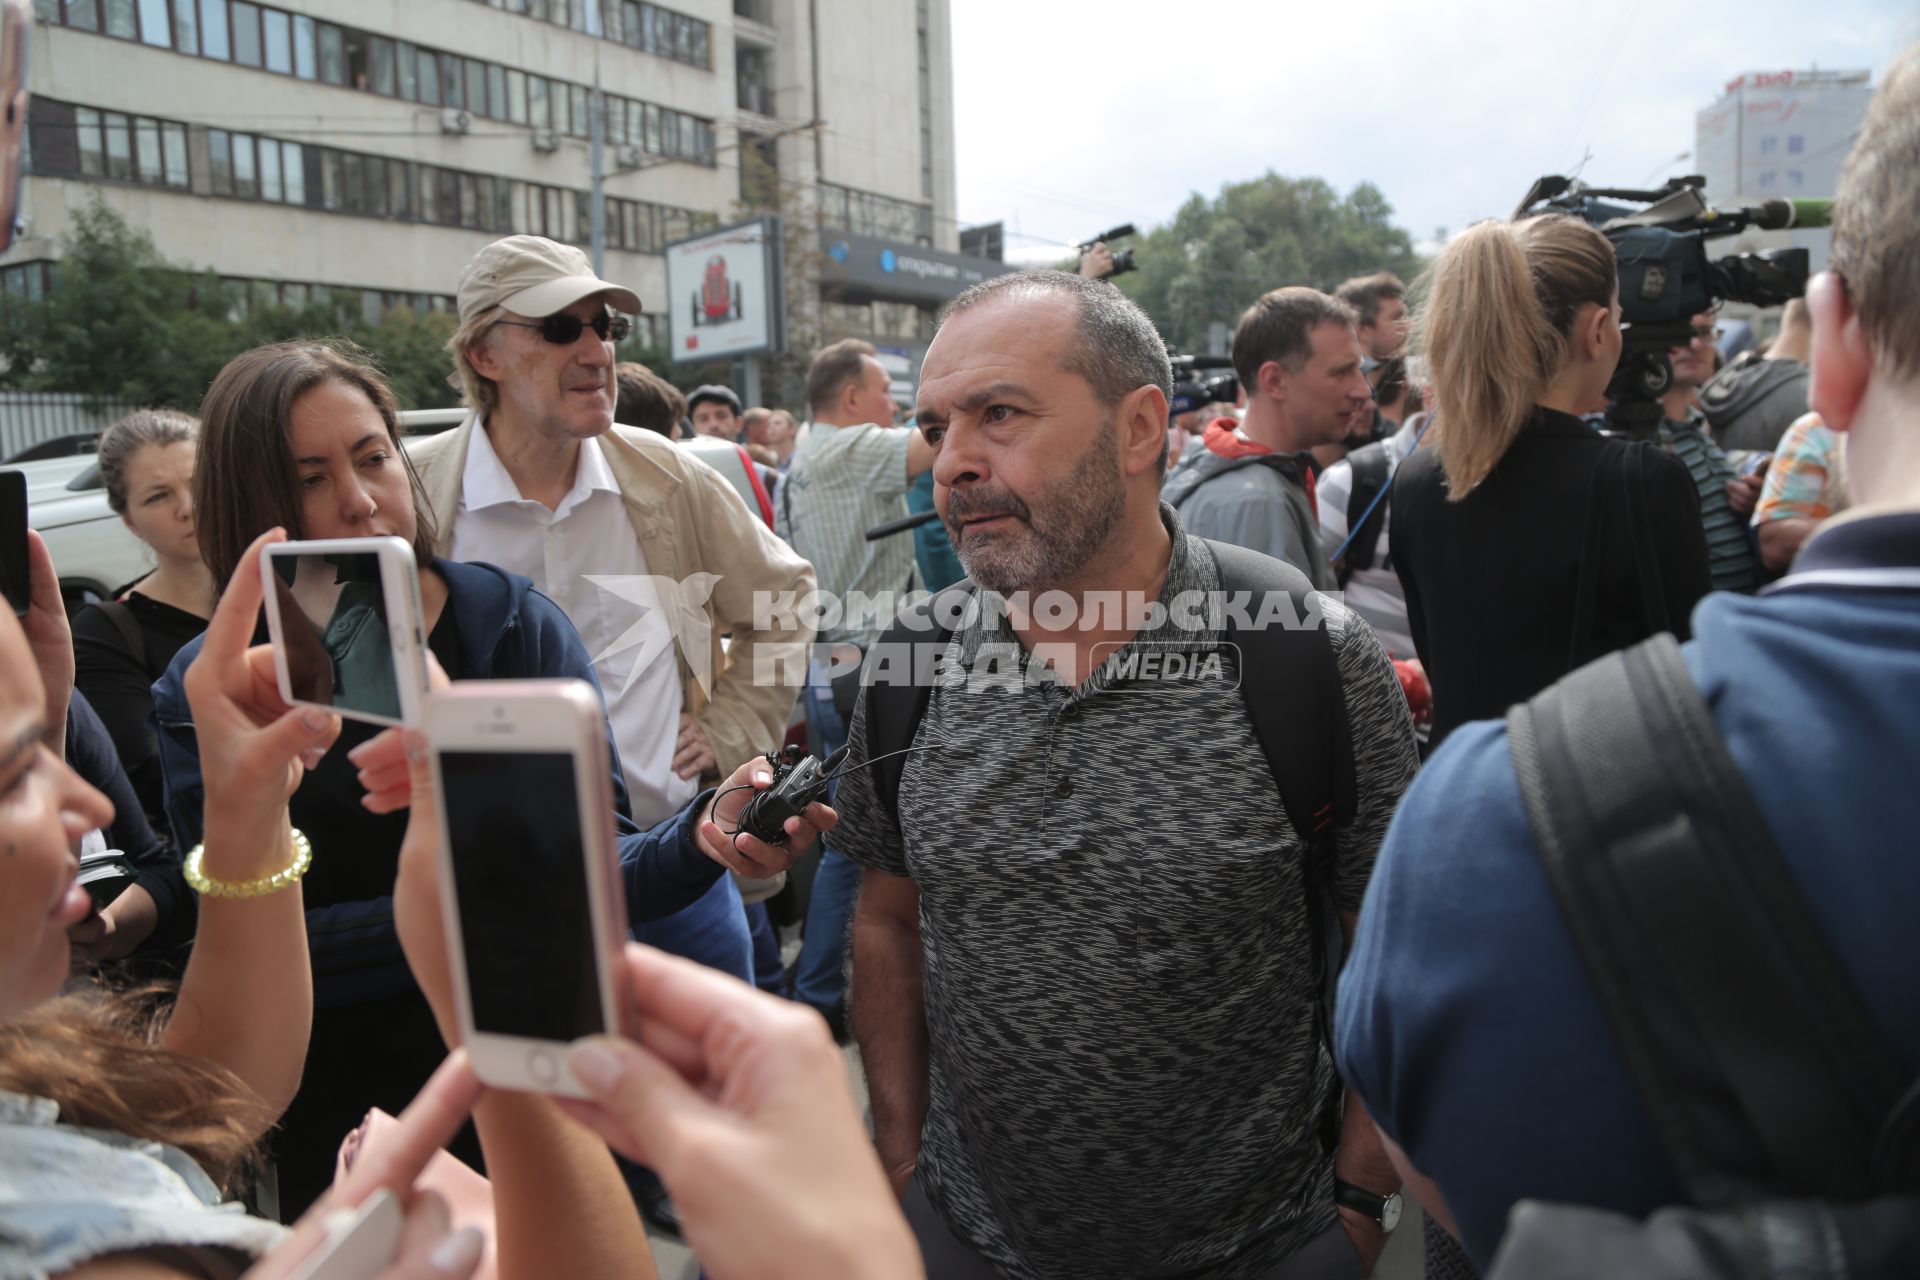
1780 215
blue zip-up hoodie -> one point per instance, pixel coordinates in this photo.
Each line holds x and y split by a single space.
508 631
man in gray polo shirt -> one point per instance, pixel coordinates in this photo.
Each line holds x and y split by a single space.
1087 1015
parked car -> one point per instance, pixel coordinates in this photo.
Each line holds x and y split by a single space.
97 555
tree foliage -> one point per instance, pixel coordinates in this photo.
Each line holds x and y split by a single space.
1216 256
123 323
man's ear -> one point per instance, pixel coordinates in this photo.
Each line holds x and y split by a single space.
479 356
1272 378
1143 430
1842 356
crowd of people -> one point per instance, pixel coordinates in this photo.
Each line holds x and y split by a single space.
1107 1026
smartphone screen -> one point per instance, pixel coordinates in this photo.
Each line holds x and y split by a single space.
15 581
334 632
526 920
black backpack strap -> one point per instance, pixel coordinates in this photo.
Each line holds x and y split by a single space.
1757 1059
1290 684
128 626
1369 481
893 687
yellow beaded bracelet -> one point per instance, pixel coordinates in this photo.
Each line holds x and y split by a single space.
207 886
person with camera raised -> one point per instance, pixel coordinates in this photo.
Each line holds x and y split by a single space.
1525 541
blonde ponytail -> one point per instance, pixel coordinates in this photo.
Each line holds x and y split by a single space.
1499 305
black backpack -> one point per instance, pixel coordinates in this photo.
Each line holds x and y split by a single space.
1791 1125
1289 680
1369 480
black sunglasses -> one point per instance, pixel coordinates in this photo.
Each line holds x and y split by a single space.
564 330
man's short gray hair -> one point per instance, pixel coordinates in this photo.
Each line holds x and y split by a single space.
1115 347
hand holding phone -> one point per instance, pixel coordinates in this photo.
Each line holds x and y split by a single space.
528 880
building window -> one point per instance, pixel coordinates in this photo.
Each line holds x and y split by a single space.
270 185
246 34
306 48
517 97
146 151
476 87
359 58
497 91
382 51
450 81
405 63
173 140
86 130
213 28
333 55
119 146
294 167
429 72
246 180
275 31
154 27
220 161
537 113
120 19
186 29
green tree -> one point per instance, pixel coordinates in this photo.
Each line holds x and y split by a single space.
1214 257
123 323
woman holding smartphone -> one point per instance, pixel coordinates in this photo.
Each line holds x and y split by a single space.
304 436
121 646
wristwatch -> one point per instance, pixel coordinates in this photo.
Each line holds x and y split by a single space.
1384 1210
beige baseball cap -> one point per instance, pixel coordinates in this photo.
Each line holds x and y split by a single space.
533 276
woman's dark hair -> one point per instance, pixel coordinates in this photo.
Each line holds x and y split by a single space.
127 437
244 479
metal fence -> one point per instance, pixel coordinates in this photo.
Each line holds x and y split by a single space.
28 418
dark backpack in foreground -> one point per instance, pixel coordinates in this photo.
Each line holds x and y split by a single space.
1791 1125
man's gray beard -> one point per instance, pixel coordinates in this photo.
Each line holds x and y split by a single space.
1071 521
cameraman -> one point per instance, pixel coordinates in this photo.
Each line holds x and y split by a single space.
1097 263
1726 499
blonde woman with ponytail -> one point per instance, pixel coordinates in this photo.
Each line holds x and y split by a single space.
1527 542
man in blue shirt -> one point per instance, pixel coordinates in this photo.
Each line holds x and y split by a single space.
1466 1018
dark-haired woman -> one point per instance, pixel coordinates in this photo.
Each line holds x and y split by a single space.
305 437
122 646
1528 543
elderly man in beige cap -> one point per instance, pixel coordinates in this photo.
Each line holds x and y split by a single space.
649 551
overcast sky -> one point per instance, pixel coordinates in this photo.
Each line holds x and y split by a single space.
1070 118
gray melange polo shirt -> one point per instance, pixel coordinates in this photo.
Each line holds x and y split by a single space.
1125 1074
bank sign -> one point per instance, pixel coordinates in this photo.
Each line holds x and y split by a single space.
892 269
723 293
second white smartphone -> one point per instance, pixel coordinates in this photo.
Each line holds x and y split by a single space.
529 873
345 619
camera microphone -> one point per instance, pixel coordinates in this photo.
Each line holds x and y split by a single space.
1783 215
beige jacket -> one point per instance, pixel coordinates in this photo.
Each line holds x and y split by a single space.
689 521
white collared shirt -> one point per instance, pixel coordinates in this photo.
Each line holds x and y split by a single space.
628 635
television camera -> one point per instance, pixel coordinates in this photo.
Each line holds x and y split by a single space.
1666 277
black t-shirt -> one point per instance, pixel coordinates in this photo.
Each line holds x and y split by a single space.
119 683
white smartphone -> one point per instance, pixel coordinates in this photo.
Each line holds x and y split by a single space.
344 615
530 881
360 1242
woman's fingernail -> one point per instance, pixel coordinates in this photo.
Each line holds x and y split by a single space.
762 779
459 1253
314 721
312 757
594 1065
